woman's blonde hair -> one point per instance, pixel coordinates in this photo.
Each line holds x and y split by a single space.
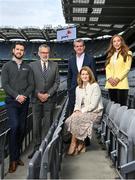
90 73
123 50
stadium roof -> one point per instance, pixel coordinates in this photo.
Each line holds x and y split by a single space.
92 18
27 33
99 17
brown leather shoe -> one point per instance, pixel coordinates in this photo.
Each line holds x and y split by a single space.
12 167
20 162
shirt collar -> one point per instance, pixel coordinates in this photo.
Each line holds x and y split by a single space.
17 61
42 62
82 55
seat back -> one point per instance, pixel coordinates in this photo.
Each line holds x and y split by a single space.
113 110
123 136
3 139
125 121
48 137
104 122
117 116
108 107
34 166
3 125
131 130
105 102
50 160
131 137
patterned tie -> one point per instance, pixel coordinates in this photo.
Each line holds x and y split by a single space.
44 69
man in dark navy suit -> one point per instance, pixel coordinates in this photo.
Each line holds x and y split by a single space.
74 65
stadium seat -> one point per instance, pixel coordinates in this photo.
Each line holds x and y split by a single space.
34 166
48 138
3 124
113 110
3 138
50 160
115 130
104 121
126 126
127 152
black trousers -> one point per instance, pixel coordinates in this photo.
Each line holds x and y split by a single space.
71 103
119 96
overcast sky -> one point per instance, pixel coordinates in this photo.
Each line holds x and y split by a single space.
21 13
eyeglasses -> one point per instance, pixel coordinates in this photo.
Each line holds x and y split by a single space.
44 52
79 46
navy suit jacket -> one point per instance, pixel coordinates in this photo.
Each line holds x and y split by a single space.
73 71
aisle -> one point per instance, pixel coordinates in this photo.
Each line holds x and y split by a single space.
90 165
21 172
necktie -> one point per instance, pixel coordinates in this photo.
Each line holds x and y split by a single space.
44 69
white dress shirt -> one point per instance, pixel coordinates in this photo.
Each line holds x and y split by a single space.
79 61
42 64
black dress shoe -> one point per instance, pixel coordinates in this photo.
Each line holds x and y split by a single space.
31 155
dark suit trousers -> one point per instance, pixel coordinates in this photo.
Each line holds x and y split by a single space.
17 115
71 102
42 120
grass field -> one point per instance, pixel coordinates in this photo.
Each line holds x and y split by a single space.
2 98
2 95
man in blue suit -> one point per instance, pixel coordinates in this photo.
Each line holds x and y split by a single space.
74 65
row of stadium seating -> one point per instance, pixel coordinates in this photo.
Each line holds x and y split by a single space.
46 162
58 50
118 135
29 126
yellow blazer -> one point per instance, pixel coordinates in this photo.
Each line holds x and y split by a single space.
119 70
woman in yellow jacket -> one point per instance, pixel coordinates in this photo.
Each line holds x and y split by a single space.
118 65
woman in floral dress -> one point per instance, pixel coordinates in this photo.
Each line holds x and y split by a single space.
88 109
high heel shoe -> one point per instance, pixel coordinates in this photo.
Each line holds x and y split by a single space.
71 149
81 148
75 152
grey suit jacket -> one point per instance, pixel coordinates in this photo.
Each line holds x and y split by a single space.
49 83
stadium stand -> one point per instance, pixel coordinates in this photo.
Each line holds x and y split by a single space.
116 130
63 50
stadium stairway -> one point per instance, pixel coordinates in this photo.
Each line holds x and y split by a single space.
90 165
93 164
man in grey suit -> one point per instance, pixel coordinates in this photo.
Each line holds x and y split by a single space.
46 78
